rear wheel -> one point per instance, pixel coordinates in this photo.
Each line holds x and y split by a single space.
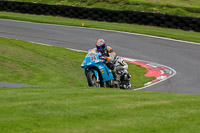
92 79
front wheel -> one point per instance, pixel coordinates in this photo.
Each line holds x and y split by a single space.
92 79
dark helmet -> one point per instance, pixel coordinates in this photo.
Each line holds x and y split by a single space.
101 45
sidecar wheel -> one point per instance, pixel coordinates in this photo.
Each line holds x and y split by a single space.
92 79
111 83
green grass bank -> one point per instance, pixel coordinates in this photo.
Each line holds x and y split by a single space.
133 28
64 102
179 7
29 63
60 106
96 110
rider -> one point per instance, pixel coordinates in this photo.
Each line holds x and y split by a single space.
114 62
107 52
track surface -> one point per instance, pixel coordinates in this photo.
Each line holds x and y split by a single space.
181 56
5 84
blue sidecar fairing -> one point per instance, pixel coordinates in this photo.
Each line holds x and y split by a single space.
92 62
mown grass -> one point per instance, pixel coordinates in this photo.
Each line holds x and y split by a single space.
82 109
29 63
24 62
149 30
64 103
179 7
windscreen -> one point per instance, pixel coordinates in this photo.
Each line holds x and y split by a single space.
91 52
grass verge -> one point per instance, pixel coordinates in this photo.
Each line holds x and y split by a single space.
49 65
64 102
68 105
73 109
149 30
179 7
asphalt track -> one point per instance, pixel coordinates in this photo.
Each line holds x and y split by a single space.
5 84
184 57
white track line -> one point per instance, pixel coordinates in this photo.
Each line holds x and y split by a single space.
174 73
130 59
164 38
123 32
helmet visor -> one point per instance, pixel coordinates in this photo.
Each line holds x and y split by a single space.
100 48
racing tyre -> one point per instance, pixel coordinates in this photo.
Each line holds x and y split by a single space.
110 83
92 79
129 86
